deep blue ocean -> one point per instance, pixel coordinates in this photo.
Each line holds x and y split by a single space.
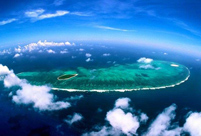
25 120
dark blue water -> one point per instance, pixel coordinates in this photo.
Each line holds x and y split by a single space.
25 120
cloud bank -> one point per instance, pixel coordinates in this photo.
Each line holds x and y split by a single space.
121 120
39 96
35 46
124 120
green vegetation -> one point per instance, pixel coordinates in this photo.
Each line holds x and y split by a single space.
65 77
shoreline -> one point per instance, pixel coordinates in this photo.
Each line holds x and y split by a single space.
124 90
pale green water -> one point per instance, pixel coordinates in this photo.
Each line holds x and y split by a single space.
128 76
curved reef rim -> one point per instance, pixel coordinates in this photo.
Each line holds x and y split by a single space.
124 90
156 75
66 77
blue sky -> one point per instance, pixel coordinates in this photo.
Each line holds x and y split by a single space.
150 22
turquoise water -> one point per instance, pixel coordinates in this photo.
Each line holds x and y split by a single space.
120 77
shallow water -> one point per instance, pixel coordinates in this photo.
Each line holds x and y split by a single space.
159 74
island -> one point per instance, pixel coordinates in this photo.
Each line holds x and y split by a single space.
66 77
122 77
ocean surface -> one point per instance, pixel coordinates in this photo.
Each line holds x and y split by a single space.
25 120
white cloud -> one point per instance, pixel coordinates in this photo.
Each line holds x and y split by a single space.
63 52
39 96
106 54
193 124
35 46
57 14
75 118
18 49
184 26
88 55
38 14
145 63
81 49
126 122
122 103
5 52
46 43
161 124
104 131
12 80
50 51
165 53
144 60
173 132
34 13
77 97
4 22
148 66
4 70
111 28
81 14
17 55
143 118
120 121
68 43
89 59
